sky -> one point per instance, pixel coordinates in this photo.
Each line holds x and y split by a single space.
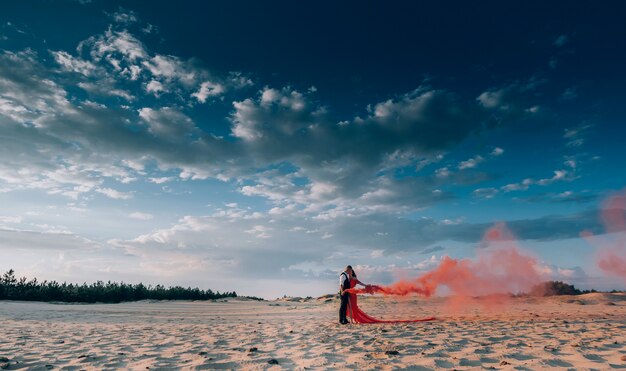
262 146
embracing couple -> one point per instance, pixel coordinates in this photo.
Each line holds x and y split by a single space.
349 307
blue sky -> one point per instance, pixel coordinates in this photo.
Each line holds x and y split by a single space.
262 146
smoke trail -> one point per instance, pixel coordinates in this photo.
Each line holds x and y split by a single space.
612 255
500 268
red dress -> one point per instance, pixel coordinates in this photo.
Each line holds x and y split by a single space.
358 316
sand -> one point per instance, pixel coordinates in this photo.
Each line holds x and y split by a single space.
579 332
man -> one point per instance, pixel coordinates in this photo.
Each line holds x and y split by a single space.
344 284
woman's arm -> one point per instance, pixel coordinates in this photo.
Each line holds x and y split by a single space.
360 283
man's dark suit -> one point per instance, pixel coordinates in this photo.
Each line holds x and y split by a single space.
344 299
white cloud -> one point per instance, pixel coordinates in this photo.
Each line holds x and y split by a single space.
559 175
485 193
260 231
521 186
452 221
114 194
512 100
155 87
104 88
239 80
208 89
171 68
443 172
10 219
167 123
330 176
533 109
471 163
116 42
118 53
571 163
124 16
70 63
141 216
161 180
492 99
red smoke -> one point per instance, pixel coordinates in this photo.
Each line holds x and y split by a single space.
612 256
500 268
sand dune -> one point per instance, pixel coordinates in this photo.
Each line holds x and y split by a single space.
569 332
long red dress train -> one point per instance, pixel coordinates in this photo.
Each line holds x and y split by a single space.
358 316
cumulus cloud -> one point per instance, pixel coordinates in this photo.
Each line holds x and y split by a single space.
277 126
115 47
119 54
422 120
155 87
287 124
208 89
87 138
168 123
87 124
284 146
73 64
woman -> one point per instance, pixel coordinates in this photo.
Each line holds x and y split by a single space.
358 316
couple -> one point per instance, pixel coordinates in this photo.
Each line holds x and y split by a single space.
349 307
348 280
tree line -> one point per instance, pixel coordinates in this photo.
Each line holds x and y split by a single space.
552 288
12 288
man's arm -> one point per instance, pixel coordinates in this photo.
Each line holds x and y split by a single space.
342 279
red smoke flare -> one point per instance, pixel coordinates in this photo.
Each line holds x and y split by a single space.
500 268
612 256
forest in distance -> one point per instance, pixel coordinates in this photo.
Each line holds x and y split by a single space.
13 288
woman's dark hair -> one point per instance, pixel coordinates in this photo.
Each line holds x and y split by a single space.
353 273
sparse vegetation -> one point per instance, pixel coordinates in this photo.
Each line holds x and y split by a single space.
12 288
254 298
552 288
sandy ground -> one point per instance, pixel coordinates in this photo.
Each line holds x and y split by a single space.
582 332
